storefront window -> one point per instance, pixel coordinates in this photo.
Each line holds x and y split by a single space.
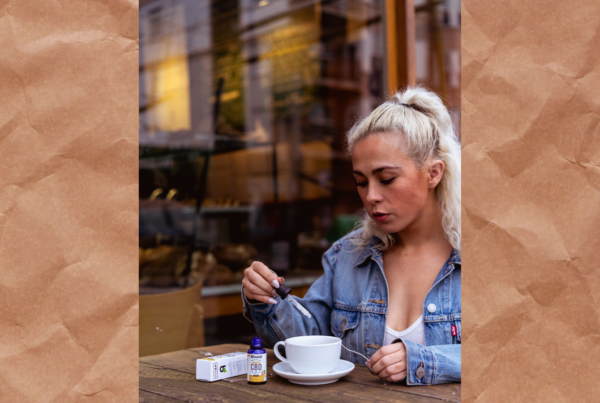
244 105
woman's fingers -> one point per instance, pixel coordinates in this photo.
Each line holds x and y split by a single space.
397 377
256 293
266 300
393 370
259 283
382 352
267 274
389 362
386 356
382 359
261 276
254 290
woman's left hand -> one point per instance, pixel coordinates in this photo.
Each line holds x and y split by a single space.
389 362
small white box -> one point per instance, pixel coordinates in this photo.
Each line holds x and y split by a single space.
215 368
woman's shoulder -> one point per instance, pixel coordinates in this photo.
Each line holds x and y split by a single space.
354 237
351 245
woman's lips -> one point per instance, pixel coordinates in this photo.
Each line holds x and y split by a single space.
380 216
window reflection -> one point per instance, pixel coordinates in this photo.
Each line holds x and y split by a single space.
256 170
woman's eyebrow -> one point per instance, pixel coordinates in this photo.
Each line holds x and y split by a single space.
377 170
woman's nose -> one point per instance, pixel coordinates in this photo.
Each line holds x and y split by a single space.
373 195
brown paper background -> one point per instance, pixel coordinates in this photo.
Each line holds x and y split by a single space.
68 200
531 201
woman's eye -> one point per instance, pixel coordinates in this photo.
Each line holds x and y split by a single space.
385 182
361 184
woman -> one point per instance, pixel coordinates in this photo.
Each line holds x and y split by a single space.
391 289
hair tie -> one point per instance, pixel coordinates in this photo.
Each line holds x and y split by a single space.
414 107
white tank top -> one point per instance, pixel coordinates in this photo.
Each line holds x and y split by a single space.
415 333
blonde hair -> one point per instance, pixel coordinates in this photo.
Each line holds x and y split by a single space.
422 122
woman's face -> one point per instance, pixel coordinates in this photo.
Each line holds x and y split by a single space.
394 191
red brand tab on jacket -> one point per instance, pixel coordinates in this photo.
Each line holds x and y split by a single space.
453 330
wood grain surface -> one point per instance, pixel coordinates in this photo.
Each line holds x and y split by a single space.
172 377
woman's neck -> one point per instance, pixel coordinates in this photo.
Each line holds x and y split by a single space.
425 231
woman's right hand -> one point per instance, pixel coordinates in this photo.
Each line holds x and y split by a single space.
260 283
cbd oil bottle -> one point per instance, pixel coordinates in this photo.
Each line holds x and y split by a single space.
257 363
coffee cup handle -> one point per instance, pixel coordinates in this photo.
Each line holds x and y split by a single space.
276 350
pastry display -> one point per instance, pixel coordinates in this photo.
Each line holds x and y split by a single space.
235 256
164 265
159 266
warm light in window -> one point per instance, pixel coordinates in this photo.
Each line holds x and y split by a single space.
171 93
263 3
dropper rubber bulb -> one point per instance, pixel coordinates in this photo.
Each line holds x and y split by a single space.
283 291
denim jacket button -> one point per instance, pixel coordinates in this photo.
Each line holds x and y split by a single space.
431 308
420 372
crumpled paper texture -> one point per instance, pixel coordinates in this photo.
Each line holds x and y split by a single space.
531 201
68 201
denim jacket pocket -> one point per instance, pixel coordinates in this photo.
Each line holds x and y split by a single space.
342 321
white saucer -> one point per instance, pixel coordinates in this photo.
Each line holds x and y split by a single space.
284 370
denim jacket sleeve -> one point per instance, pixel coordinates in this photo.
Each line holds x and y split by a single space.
441 364
277 322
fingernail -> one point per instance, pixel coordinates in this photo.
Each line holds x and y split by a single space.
275 283
272 301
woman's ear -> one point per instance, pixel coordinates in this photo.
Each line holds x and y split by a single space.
436 170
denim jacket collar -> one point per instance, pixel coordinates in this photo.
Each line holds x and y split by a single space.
369 251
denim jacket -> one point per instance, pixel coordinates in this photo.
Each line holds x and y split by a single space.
350 302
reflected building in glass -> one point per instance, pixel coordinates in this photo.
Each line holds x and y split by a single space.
244 105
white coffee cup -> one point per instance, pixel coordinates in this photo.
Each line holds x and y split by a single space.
311 354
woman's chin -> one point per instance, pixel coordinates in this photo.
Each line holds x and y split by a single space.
388 227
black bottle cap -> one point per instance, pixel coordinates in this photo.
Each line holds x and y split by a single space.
283 291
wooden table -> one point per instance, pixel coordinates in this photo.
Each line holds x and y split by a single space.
171 378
